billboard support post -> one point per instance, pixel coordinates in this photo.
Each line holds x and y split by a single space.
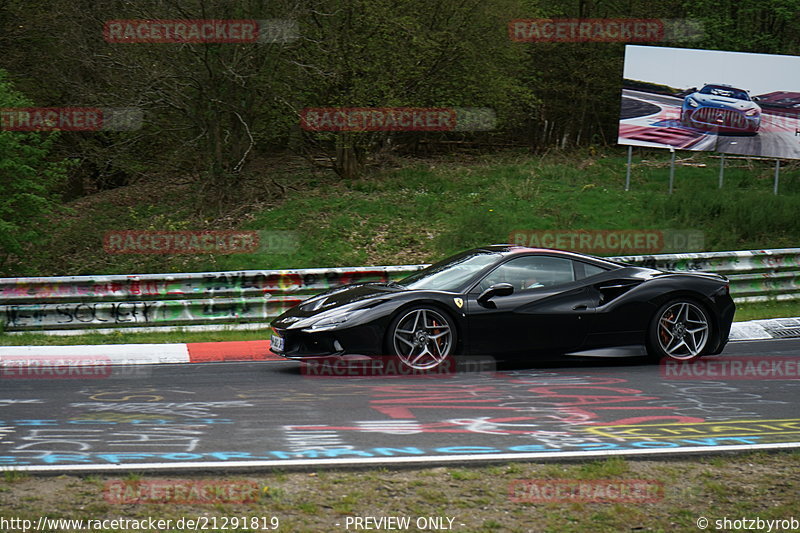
628 171
671 169
721 169
777 176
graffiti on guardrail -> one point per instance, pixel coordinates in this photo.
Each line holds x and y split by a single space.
193 285
144 312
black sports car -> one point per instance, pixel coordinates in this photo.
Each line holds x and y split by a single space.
509 302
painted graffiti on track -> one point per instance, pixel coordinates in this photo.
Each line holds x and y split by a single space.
251 414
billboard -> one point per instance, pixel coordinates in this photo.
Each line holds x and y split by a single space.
730 102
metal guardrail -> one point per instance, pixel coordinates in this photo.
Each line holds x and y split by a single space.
229 298
253 297
755 275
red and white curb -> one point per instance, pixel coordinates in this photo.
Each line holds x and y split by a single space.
140 354
206 352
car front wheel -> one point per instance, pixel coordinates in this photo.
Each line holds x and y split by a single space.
422 337
680 330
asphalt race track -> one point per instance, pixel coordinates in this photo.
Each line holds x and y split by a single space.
271 413
654 120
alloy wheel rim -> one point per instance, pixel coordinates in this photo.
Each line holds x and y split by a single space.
423 338
683 330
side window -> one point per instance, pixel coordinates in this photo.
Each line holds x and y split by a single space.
588 270
531 272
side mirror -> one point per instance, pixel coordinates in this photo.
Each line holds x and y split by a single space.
498 289
756 99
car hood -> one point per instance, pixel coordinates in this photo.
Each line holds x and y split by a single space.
712 100
349 297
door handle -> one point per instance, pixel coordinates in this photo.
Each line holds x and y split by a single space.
580 307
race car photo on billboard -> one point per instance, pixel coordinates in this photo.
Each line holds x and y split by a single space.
513 303
710 100
723 109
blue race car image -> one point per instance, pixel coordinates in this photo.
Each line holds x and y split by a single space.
721 108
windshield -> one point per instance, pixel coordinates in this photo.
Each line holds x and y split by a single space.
452 273
727 92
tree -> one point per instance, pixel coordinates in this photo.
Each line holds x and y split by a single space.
27 178
760 26
410 53
206 106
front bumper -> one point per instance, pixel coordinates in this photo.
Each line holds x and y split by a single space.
298 344
721 119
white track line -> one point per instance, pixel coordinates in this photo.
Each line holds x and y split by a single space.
363 461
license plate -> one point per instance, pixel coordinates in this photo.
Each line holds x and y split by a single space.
277 343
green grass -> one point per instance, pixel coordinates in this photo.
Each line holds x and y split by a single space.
439 209
463 474
608 468
744 485
772 309
12 476
428 208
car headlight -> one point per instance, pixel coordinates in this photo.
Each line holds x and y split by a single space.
336 317
692 102
329 322
752 112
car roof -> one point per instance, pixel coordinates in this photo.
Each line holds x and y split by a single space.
515 249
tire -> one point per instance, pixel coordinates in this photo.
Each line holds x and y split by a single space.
680 330
422 337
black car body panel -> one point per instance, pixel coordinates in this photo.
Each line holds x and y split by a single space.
603 304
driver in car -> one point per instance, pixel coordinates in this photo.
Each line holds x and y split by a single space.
531 284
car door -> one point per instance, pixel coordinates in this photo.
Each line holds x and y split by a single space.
550 309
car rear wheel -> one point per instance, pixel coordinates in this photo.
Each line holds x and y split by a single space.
422 337
680 330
